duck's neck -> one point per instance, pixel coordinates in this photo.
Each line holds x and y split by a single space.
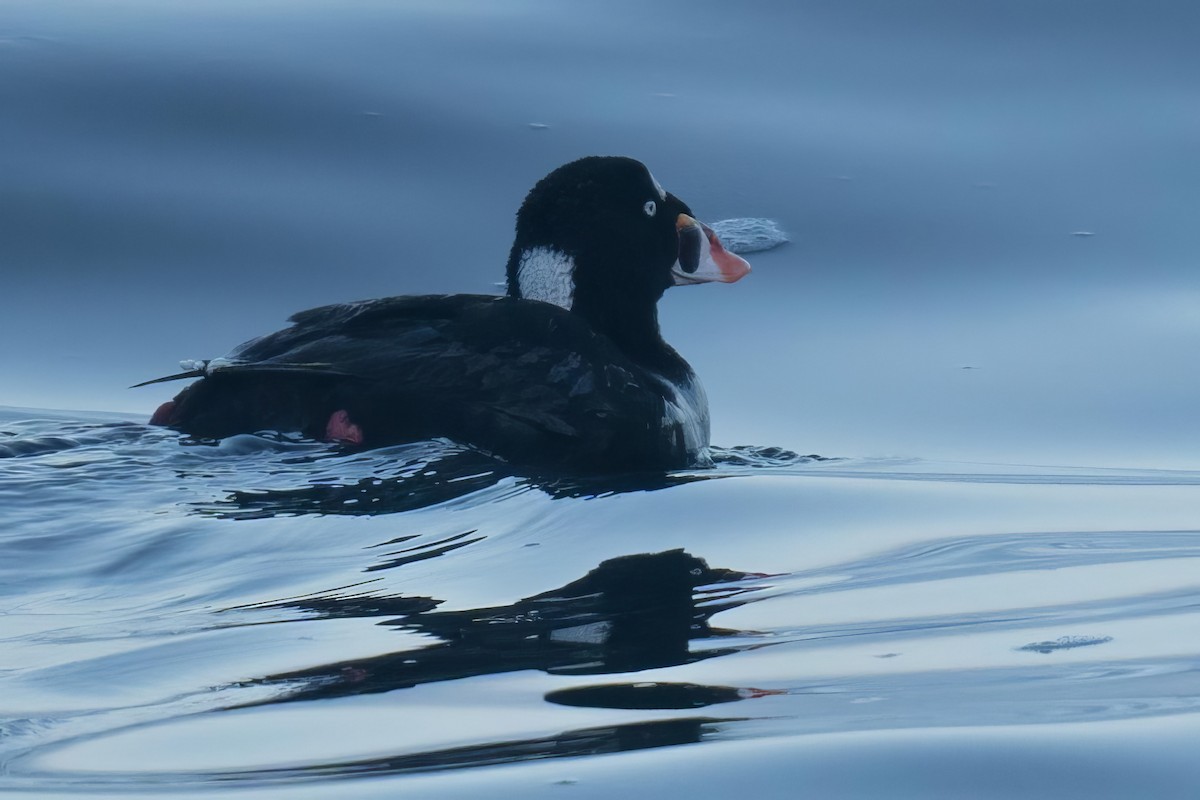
633 328
629 320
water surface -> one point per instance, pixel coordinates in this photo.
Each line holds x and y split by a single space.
984 323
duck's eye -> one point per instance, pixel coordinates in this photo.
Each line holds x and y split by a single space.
650 208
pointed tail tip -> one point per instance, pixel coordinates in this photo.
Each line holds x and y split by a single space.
178 376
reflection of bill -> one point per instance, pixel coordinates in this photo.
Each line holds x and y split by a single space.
630 613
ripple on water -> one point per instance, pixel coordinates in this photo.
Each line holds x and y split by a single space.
270 611
749 235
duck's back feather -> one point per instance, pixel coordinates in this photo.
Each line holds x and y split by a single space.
524 379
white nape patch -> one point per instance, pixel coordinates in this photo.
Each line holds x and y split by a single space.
546 274
662 193
749 235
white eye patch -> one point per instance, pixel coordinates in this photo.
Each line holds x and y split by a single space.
650 208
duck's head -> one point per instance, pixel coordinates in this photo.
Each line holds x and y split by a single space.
602 238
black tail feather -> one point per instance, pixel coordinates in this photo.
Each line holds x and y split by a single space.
312 368
178 376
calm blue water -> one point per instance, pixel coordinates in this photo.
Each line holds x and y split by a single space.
985 323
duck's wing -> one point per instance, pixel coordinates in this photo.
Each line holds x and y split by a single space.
526 380
320 329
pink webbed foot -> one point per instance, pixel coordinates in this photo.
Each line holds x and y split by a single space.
340 428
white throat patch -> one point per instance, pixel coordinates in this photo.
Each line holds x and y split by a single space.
546 274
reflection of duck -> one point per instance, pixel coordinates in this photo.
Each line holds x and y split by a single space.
408 482
427 475
570 369
630 613
419 480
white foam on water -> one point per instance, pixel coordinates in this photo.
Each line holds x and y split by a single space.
749 234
